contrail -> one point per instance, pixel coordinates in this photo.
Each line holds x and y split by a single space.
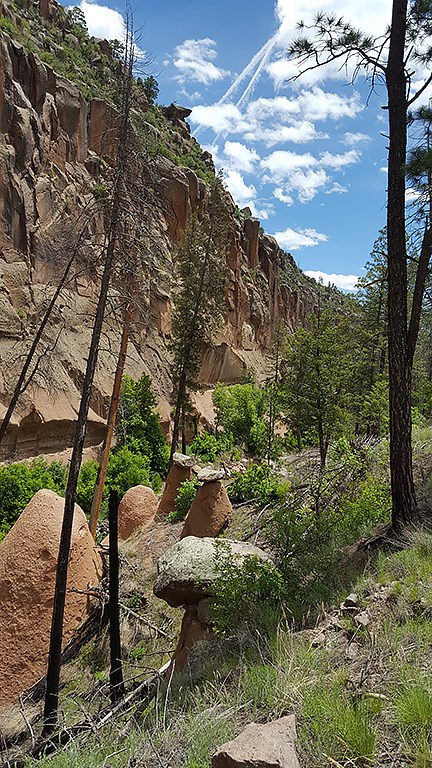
256 60
259 60
270 46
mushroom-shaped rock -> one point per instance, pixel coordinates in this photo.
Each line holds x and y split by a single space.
136 510
180 471
271 745
188 568
28 562
211 508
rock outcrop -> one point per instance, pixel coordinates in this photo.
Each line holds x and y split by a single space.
211 508
136 510
271 745
188 568
180 471
28 561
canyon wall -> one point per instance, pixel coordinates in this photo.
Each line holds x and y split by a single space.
57 159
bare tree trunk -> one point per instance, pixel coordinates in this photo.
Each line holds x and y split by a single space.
117 688
53 672
112 413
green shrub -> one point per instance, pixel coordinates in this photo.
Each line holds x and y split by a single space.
138 427
125 469
247 591
184 499
256 483
19 483
239 410
205 446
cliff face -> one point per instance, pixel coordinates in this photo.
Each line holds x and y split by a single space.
57 154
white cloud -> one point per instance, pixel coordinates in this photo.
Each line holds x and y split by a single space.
220 117
241 158
317 104
102 21
292 240
350 139
236 184
282 163
307 183
194 60
343 282
372 16
300 133
340 161
336 189
279 194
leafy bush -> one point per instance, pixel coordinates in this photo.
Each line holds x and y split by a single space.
206 447
245 592
184 499
19 483
125 469
239 410
138 427
256 483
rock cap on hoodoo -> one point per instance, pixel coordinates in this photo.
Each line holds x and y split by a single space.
186 570
182 460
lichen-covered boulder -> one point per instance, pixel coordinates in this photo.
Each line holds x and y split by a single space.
188 568
28 562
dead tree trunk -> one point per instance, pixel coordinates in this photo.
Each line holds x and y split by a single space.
112 413
117 689
53 673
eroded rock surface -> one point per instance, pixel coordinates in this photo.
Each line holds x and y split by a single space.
176 476
28 561
271 745
136 510
210 510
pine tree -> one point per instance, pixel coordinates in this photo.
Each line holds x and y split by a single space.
394 59
199 300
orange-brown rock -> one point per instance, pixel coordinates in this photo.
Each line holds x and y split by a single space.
136 510
192 631
210 511
180 471
28 561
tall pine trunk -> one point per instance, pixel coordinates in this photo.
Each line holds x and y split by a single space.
400 364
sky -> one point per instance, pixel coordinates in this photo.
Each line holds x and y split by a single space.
308 156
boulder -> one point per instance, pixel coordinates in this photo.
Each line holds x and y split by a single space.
136 510
209 475
188 568
210 510
271 745
28 562
176 476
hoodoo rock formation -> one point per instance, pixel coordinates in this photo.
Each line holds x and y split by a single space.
211 508
28 561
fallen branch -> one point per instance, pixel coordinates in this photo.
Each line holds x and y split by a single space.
63 737
143 620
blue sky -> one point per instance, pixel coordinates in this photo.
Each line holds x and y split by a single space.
307 156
